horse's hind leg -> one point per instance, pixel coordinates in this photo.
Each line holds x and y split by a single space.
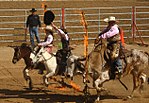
142 79
27 78
135 84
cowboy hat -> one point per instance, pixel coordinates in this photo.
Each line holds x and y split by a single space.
48 27
48 17
33 10
111 18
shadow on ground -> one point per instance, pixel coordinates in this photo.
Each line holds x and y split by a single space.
44 96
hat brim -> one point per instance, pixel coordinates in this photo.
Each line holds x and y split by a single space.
33 10
107 20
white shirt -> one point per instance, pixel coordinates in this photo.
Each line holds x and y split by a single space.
47 42
60 32
112 32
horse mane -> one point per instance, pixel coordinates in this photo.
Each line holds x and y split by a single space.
102 43
25 45
148 56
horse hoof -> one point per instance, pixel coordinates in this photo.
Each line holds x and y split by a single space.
46 84
127 98
97 100
30 88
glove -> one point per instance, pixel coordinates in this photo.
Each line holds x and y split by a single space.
97 40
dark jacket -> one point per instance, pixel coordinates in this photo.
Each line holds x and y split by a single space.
33 20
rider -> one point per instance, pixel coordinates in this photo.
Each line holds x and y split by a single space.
48 42
112 34
64 53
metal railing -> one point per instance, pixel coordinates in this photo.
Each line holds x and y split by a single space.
12 25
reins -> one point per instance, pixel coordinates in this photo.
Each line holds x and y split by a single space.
48 58
21 53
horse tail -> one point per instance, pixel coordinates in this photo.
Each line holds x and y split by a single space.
80 65
148 64
81 59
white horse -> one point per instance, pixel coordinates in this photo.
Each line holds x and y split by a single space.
49 60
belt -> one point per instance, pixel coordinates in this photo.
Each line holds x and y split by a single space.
33 27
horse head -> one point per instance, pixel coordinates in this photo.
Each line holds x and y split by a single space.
20 52
16 56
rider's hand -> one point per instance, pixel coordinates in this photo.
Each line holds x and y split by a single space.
97 40
39 45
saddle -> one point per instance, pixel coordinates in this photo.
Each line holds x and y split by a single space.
124 53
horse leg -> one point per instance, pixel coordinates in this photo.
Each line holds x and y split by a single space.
99 83
27 77
45 78
142 79
135 84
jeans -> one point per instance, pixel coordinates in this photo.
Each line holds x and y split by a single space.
118 65
34 31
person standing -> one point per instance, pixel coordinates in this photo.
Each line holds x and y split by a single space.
33 23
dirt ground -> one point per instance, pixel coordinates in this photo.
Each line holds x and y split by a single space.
12 84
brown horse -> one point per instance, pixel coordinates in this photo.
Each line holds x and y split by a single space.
133 63
24 52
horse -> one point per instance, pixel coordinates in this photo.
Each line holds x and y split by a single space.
134 63
53 69
49 60
23 52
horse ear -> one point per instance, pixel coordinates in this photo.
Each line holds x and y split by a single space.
23 45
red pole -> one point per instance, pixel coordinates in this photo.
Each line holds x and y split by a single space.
139 34
63 17
133 23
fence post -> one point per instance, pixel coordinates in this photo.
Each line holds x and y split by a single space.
25 29
63 17
133 23
99 20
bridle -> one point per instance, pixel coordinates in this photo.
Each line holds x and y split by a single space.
18 57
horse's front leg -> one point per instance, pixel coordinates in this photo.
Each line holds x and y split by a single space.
98 83
27 77
45 78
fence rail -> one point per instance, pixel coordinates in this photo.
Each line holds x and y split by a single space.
12 24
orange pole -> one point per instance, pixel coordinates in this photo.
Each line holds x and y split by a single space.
86 35
85 43
122 38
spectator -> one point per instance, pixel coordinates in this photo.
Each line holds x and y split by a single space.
33 22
